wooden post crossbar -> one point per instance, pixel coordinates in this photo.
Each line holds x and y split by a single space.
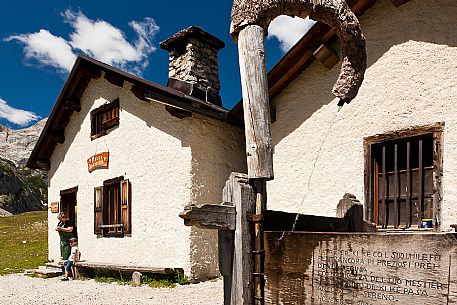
233 220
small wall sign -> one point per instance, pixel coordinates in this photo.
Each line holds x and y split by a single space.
97 161
54 207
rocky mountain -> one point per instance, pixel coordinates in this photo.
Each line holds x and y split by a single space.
17 144
21 189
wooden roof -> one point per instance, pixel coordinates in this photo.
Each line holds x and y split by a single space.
300 56
85 69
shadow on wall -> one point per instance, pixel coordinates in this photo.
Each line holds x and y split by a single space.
217 150
76 120
384 26
155 116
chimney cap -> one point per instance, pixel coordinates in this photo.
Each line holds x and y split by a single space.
191 32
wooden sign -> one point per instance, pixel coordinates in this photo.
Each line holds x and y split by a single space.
97 161
54 207
360 268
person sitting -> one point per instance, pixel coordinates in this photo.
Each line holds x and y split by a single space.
74 257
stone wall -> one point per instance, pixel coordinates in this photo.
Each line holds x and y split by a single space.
196 65
193 61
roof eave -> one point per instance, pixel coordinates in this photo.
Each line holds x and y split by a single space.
84 70
300 56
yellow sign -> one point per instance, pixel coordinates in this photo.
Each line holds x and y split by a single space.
54 207
98 161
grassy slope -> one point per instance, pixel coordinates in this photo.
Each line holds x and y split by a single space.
23 242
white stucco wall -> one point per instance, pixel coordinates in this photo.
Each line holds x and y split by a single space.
217 150
153 150
411 80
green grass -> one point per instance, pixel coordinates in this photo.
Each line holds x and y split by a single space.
23 242
105 276
165 281
152 280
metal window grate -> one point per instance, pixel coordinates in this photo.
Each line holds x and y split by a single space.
403 181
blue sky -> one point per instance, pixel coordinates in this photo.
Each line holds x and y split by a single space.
40 39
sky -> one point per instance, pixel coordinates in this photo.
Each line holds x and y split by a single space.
40 39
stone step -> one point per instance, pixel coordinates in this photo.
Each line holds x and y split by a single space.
54 264
45 271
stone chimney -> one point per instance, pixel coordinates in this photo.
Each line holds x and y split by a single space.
193 67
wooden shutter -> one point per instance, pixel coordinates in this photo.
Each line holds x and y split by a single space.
110 122
126 206
98 209
111 115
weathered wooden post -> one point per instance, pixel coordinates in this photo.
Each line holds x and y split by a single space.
239 218
259 150
249 22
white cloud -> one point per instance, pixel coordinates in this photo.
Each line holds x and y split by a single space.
97 39
289 30
47 49
16 116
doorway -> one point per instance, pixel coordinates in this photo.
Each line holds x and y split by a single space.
69 204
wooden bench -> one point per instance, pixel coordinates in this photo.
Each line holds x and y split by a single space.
127 268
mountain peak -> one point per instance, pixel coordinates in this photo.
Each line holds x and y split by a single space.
17 144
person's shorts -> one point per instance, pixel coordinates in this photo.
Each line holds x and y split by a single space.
68 264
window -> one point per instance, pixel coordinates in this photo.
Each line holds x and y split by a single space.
112 208
104 118
405 179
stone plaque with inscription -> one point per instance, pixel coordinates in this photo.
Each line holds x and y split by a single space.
361 268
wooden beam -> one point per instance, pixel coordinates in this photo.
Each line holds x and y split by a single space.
210 216
44 164
399 2
186 103
179 113
254 84
69 191
437 179
140 92
82 78
260 188
57 135
405 133
351 221
72 105
326 56
114 79
127 268
244 198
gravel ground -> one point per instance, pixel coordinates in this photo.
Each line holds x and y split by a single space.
21 289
